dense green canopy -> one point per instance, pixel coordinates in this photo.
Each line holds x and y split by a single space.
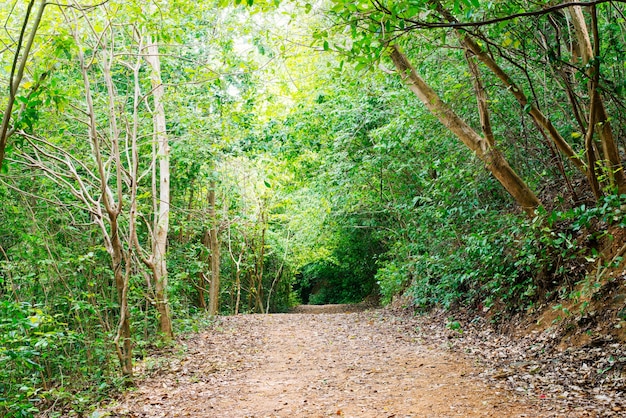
165 161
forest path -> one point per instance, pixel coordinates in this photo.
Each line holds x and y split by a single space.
358 364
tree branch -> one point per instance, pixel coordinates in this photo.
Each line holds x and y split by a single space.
416 24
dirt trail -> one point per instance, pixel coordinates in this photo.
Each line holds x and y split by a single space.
302 365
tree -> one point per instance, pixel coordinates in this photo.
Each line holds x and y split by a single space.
157 262
598 118
212 242
484 149
108 185
20 59
485 33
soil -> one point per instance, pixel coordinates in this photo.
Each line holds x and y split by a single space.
323 362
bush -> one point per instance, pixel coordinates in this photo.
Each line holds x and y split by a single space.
33 356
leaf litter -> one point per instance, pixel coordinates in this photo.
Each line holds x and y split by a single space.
376 363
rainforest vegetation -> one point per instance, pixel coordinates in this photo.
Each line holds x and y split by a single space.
162 162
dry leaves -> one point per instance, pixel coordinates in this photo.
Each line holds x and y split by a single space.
588 380
370 364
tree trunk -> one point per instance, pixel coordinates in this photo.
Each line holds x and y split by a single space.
493 159
599 118
214 289
112 239
279 273
17 71
238 289
260 265
124 349
481 100
200 286
469 44
237 263
161 227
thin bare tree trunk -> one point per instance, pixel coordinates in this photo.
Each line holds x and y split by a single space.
237 269
114 211
200 286
260 264
238 289
278 273
493 159
214 288
113 241
599 117
481 100
123 349
161 227
17 71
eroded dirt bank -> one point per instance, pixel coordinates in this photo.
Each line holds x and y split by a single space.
356 364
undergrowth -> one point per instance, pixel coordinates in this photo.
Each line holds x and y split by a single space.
511 261
48 366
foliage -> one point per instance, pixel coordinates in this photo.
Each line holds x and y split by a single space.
38 352
347 276
456 265
331 180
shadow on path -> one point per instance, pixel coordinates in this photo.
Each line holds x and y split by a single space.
330 309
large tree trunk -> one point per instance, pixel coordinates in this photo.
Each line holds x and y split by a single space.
214 288
161 224
493 159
